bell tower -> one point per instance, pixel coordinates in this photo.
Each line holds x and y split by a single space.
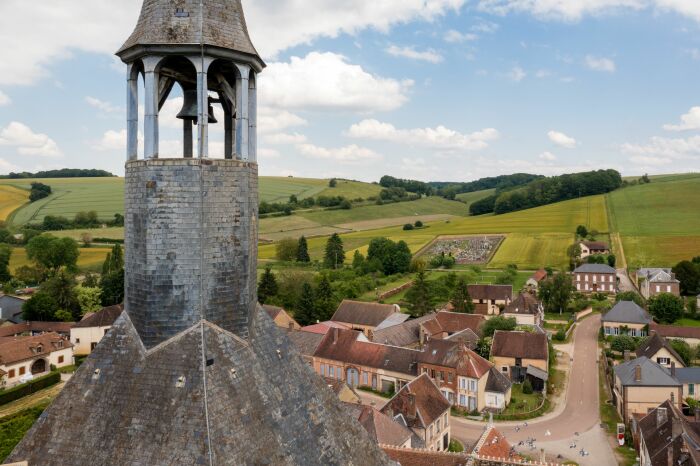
191 220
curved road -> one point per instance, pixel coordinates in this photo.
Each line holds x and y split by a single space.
581 412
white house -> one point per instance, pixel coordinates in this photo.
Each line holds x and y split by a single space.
86 334
24 358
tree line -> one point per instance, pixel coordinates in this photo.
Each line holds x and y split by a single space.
62 173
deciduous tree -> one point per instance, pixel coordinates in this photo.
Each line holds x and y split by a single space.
666 307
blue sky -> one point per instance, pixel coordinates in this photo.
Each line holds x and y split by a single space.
428 89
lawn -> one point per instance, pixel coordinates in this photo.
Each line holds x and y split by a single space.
687 322
659 222
522 403
90 259
278 189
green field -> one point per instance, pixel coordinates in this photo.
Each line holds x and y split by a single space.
470 198
90 258
659 223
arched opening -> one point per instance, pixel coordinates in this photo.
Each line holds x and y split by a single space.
223 78
178 112
38 366
252 117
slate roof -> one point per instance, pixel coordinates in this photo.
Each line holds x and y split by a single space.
688 375
404 334
657 431
430 403
492 292
497 382
381 428
102 318
537 372
661 277
653 375
652 344
523 345
36 327
343 345
11 308
524 303
13 350
221 22
305 342
362 313
455 355
627 312
219 400
466 336
595 268
410 457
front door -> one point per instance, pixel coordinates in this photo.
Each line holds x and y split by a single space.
353 377
39 366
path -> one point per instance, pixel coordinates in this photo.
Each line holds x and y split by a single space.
625 282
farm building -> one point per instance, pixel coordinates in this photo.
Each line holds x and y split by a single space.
533 283
592 248
280 317
659 350
368 317
521 355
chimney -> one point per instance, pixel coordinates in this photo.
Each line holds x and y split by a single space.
638 373
673 369
411 406
421 337
291 325
390 413
335 335
627 355
676 428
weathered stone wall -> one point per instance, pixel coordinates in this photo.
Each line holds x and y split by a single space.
190 239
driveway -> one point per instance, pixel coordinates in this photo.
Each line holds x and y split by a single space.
625 283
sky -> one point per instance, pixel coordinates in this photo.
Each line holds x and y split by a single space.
435 90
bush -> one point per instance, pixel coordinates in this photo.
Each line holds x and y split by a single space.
623 343
28 388
408 227
455 446
560 335
527 387
418 224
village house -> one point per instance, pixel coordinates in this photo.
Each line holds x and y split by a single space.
656 281
641 385
690 335
595 278
667 437
658 349
489 300
594 248
368 317
280 317
306 343
627 318
441 325
465 379
533 283
86 334
23 358
521 355
493 445
382 428
526 309
11 309
420 406
690 378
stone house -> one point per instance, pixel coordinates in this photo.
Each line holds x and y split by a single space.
420 406
658 349
521 355
627 318
656 281
368 317
383 429
24 358
533 283
86 334
592 248
667 437
641 385
490 299
595 278
441 325
280 317
526 309
465 379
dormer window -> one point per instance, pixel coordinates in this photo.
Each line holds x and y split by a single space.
181 13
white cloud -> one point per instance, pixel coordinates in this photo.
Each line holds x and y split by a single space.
517 74
485 27
455 37
562 139
429 55
111 140
267 153
274 120
284 138
7 167
600 64
694 53
347 154
690 8
663 150
4 99
563 10
27 142
439 138
689 121
103 106
326 81
547 156
543 74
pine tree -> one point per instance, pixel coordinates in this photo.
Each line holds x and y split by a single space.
419 297
324 304
335 254
117 258
460 299
358 260
306 312
267 288
303 251
106 264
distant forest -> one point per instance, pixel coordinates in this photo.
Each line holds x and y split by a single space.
499 183
548 191
62 173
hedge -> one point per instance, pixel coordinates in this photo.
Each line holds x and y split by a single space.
28 388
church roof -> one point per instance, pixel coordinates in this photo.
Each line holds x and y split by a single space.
219 23
204 396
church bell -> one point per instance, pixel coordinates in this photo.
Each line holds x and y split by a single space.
189 108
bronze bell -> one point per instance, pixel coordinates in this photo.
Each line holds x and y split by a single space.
189 108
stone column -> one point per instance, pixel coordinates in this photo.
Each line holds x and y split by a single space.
132 112
151 107
242 112
253 119
201 64
187 146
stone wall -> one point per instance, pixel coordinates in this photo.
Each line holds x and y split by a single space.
190 240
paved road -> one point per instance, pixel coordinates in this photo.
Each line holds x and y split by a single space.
625 283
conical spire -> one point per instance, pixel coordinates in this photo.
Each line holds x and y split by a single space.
218 23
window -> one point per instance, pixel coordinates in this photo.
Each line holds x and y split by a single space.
449 377
365 378
691 389
504 369
462 383
663 361
60 359
339 373
77 340
11 374
472 385
462 400
22 370
438 429
447 420
440 376
432 427
616 330
586 277
658 288
668 288
331 371
578 277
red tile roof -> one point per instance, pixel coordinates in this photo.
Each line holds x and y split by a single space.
523 345
597 245
323 327
453 322
420 402
272 311
525 303
102 318
456 355
35 327
363 313
17 349
494 445
673 331
539 275
410 457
